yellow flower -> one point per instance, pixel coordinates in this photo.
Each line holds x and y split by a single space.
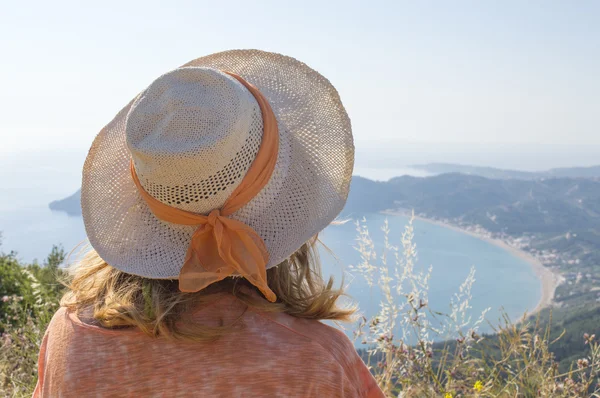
478 386
448 395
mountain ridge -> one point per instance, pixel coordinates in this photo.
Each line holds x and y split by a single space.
498 173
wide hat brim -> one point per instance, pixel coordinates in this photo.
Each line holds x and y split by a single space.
307 190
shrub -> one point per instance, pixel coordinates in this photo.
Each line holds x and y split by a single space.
28 298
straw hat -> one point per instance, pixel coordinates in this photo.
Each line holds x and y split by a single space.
192 136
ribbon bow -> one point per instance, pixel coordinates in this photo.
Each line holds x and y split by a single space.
221 246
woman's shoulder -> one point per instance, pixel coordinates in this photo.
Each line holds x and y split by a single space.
59 320
329 338
330 341
62 325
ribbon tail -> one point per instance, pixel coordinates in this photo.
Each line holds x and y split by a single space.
226 248
256 271
202 265
245 251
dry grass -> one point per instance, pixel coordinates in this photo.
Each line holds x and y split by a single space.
515 362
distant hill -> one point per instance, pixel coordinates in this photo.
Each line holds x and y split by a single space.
70 205
490 172
576 172
507 205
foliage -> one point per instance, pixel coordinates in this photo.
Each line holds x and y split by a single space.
29 297
13 282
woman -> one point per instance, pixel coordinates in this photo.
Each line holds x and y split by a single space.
202 200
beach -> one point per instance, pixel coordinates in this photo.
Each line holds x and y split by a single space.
549 280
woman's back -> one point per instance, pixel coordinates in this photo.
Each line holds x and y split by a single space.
270 355
202 200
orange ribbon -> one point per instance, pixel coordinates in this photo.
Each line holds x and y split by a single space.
221 246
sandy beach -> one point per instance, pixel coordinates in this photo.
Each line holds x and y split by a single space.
548 279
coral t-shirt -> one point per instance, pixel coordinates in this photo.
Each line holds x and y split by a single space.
273 355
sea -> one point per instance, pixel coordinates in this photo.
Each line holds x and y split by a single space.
503 283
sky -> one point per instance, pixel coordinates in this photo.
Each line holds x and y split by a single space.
412 74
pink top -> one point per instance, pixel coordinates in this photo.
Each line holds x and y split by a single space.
274 355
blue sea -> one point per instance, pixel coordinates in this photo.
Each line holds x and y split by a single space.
503 281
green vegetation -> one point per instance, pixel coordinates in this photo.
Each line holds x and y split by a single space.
29 296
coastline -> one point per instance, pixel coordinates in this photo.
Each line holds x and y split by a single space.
548 279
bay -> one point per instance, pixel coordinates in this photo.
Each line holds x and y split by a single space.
503 283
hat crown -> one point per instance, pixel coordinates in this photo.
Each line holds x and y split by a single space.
306 191
193 134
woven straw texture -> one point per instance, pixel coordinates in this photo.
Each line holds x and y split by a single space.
193 134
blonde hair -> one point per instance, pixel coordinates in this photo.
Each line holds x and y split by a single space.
115 299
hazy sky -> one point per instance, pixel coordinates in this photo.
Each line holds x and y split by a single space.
484 72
